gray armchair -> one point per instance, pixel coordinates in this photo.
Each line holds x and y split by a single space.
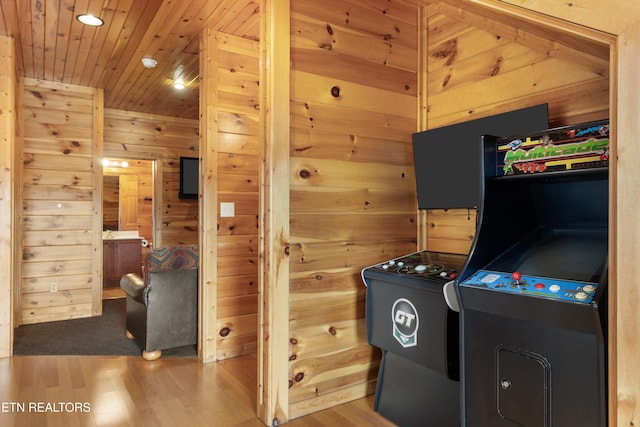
162 308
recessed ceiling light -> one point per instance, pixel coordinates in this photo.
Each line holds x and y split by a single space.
90 20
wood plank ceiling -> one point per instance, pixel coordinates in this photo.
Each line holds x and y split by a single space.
52 45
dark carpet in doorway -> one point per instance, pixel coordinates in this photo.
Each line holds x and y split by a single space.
100 335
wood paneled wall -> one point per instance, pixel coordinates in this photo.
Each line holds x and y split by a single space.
489 67
230 167
60 227
130 135
62 187
238 165
352 200
478 66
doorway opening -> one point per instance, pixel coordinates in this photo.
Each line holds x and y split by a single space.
127 219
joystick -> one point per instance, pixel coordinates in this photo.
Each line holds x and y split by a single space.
516 276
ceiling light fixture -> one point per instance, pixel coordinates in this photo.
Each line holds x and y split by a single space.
149 62
179 84
115 163
91 20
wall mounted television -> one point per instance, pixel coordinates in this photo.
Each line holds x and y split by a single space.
189 177
447 160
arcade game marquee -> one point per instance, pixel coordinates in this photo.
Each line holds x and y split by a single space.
533 291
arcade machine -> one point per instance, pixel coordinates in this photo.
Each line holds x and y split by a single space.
408 318
533 291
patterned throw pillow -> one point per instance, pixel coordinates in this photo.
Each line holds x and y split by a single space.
180 257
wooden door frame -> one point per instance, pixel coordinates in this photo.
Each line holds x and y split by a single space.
273 303
8 192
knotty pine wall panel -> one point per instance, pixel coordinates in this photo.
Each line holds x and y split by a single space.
477 67
137 136
238 163
58 221
489 67
353 110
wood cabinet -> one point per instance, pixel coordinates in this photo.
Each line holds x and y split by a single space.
120 256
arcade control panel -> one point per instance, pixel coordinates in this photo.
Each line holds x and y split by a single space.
430 265
516 283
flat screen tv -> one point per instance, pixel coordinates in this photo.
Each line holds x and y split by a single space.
189 177
448 159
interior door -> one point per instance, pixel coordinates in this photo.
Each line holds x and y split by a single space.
128 202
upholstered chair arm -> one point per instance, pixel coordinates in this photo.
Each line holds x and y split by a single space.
133 285
172 309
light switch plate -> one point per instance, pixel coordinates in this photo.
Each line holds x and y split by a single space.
227 209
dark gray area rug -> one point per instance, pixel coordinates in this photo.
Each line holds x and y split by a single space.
92 336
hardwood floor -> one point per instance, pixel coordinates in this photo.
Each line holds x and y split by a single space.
113 292
70 391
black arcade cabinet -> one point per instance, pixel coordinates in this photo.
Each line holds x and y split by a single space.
408 318
533 291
